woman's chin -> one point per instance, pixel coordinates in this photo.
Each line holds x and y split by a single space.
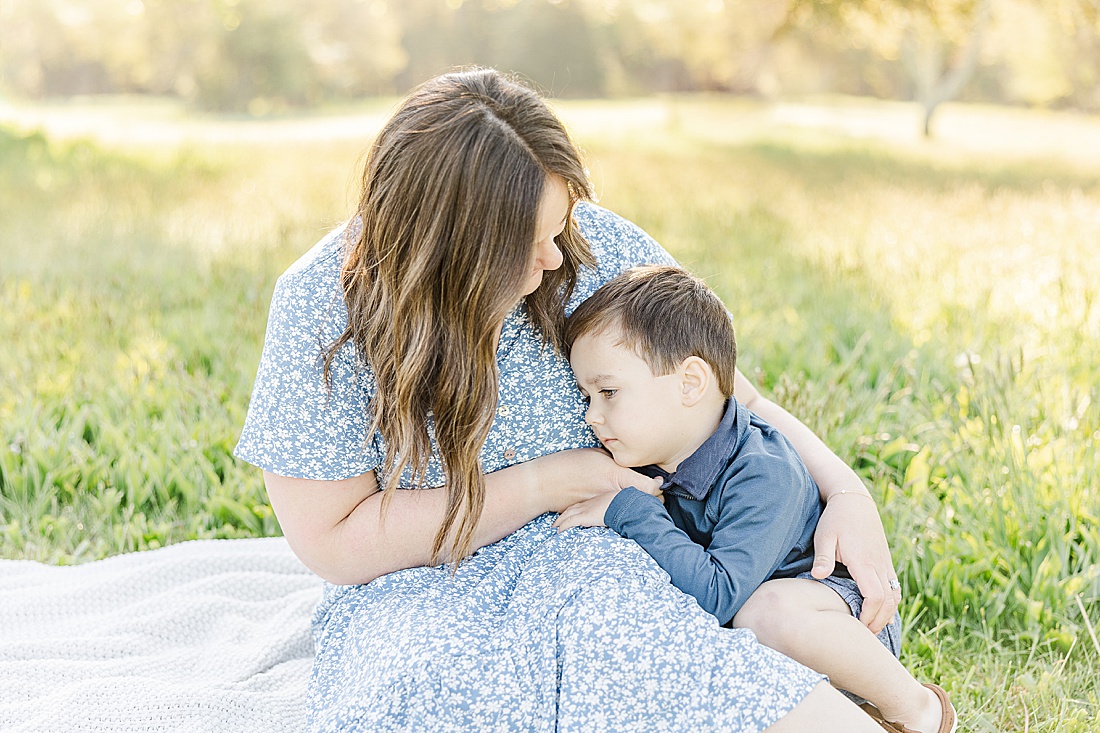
532 283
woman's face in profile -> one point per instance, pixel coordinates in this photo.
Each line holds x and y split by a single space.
552 215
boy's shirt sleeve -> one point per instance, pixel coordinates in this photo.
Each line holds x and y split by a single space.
760 520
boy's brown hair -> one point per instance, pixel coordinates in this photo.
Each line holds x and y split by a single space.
664 315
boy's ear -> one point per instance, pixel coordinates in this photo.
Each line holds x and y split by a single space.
695 378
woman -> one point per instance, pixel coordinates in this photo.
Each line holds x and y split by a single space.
415 348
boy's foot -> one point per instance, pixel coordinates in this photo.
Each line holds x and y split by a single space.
948 721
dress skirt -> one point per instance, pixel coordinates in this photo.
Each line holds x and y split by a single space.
578 631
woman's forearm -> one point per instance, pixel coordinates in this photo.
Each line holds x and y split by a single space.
339 531
369 544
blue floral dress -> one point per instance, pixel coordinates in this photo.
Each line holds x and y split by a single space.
580 631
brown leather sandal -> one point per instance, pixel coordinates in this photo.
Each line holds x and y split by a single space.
948 721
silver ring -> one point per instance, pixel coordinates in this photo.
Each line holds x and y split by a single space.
894 584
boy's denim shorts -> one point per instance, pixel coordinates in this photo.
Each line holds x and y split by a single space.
890 636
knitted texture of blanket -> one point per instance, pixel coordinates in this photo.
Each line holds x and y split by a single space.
209 635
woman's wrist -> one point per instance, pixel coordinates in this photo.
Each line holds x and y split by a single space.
862 493
524 487
835 478
536 487
550 480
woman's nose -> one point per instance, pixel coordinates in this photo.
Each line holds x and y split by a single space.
549 256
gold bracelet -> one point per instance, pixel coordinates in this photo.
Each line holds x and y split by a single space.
846 491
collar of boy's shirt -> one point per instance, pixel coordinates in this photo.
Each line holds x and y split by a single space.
696 474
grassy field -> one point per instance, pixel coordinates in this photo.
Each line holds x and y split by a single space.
931 309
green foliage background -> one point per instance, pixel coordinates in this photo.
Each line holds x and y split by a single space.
932 314
261 56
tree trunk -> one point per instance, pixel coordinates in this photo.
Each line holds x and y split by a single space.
924 61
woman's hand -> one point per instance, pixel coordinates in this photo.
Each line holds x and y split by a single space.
851 532
572 476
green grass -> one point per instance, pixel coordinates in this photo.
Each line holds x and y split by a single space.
932 311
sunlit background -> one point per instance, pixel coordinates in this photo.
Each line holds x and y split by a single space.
899 202
263 56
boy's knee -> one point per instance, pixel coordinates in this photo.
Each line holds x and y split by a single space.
772 613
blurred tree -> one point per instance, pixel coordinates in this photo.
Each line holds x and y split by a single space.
223 54
176 37
355 47
1038 60
623 40
1075 30
550 42
938 43
940 48
53 47
258 58
265 55
676 45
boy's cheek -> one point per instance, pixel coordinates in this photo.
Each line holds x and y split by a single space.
618 454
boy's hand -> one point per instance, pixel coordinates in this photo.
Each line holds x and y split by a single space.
590 512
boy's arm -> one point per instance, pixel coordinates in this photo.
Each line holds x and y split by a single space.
755 531
850 530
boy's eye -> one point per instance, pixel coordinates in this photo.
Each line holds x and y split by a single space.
608 393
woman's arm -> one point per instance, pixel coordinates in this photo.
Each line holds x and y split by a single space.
336 528
850 530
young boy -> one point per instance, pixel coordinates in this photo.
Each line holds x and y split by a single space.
654 353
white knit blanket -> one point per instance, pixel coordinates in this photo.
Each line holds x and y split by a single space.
200 636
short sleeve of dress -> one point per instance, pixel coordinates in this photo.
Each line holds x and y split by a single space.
617 244
297 425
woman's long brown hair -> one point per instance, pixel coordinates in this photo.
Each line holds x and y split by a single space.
449 202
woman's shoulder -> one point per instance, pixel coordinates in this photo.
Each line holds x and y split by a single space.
610 233
308 295
299 423
321 263
617 244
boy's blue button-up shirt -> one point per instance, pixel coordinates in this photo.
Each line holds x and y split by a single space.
739 511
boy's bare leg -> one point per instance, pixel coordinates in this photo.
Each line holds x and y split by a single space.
825 709
812 624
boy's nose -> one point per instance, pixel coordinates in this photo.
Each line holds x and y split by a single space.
590 415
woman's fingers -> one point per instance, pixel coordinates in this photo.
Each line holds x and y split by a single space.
825 550
891 599
574 476
873 590
880 601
